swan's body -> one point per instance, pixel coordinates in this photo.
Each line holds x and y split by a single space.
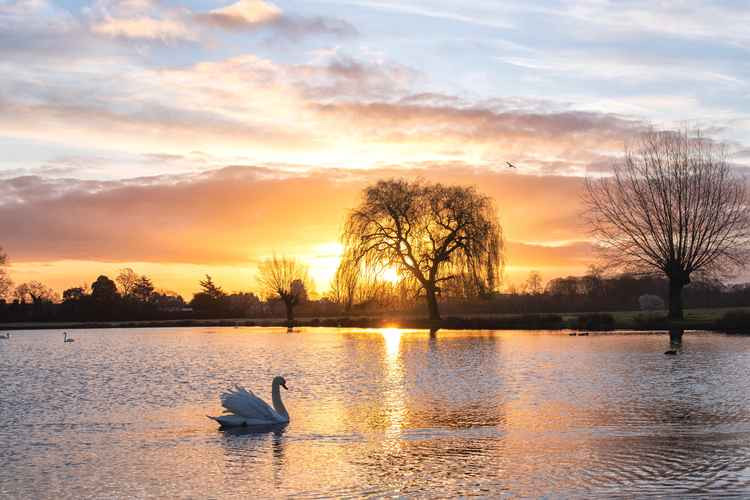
244 409
5 337
66 338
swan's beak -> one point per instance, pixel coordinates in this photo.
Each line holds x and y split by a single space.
284 386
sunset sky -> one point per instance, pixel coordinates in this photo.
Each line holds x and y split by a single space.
185 138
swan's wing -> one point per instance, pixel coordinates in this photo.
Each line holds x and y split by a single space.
242 402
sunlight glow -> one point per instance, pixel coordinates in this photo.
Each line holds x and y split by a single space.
391 275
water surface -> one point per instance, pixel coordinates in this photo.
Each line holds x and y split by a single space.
121 413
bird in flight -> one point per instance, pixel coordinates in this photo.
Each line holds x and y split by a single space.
510 164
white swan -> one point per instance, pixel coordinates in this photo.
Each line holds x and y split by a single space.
66 338
243 408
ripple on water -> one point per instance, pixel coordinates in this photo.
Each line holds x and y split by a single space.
122 413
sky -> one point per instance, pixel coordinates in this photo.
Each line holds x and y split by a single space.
200 137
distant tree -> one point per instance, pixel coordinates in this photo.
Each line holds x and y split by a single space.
211 289
104 291
534 284
211 300
34 292
244 304
74 294
127 279
142 289
5 282
430 233
286 279
593 281
166 300
344 283
568 286
675 207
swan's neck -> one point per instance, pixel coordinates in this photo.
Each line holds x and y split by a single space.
276 398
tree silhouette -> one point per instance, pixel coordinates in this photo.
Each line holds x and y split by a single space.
5 282
433 234
34 292
210 300
286 279
674 206
104 297
211 289
126 280
534 284
143 289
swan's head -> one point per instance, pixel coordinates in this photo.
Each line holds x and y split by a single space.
280 381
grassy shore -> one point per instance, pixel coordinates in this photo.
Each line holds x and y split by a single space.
736 320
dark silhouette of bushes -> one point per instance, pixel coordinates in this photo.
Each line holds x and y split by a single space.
736 321
595 321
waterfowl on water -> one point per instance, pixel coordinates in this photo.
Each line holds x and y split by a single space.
245 409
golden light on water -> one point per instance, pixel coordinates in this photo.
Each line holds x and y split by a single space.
392 338
394 396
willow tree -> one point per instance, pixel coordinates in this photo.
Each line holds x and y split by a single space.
433 235
286 279
674 206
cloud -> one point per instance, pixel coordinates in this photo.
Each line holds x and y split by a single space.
242 14
246 15
239 214
144 28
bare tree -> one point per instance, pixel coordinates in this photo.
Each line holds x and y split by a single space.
534 284
432 234
673 206
127 280
286 279
35 292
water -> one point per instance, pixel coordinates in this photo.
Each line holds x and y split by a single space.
121 413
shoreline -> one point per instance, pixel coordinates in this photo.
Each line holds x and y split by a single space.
580 322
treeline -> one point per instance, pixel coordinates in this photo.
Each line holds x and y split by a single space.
594 292
133 297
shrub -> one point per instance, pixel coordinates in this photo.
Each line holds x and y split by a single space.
649 302
735 320
595 321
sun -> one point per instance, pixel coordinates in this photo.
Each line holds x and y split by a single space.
391 275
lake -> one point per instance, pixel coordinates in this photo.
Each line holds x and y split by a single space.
121 413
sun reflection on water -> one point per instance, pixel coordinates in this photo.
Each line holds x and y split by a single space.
392 337
395 403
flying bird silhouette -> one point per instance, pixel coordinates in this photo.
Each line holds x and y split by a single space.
510 164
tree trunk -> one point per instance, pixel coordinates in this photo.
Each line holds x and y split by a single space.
432 304
676 284
675 336
289 312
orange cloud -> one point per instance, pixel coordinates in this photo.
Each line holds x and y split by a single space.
235 216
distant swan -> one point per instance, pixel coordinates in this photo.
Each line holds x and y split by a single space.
243 408
66 338
5 337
